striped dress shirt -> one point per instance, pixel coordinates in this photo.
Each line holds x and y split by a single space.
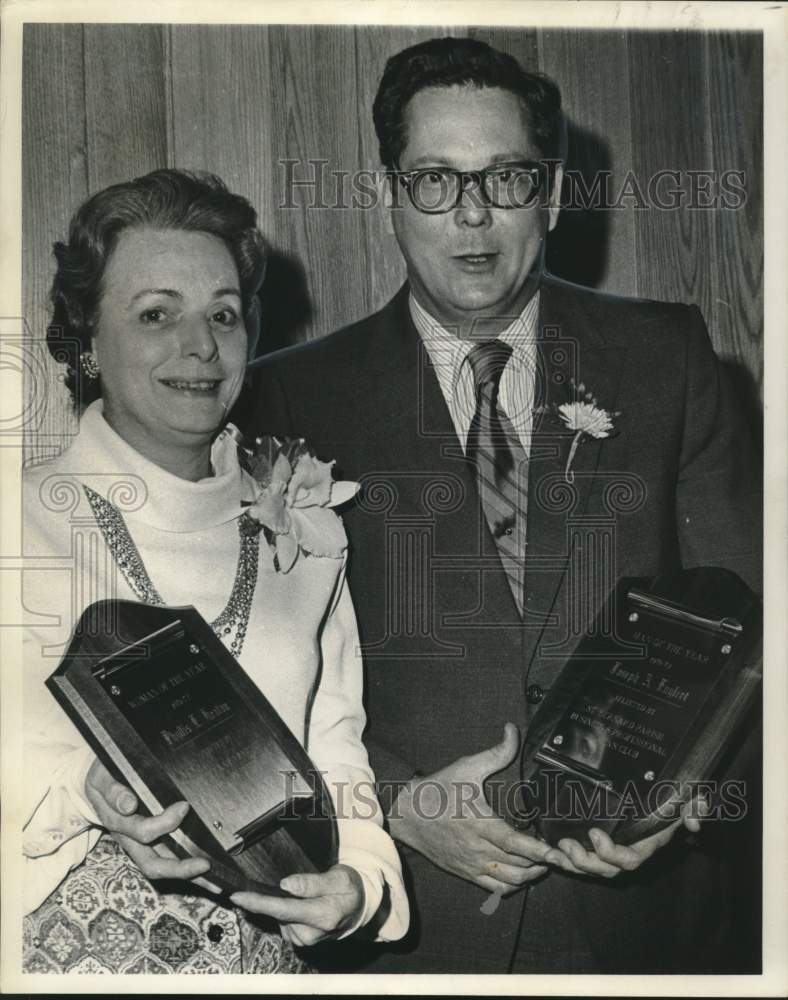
450 358
449 355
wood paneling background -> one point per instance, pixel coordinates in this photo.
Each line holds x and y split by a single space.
104 103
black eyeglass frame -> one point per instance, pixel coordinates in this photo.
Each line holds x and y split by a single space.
478 180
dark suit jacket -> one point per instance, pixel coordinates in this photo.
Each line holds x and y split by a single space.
448 660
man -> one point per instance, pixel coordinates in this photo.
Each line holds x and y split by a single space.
462 566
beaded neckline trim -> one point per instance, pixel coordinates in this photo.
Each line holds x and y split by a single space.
233 620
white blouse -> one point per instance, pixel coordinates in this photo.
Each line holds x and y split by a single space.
301 645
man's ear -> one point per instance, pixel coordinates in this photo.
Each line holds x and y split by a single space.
386 198
554 205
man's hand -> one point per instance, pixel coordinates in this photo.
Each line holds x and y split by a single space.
116 807
608 859
327 904
446 817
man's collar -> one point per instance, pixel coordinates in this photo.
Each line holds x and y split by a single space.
521 331
448 352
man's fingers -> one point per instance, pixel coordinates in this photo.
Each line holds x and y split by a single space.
514 842
515 875
481 765
632 856
694 812
607 859
557 859
621 856
585 861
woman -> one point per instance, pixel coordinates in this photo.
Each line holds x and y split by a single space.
155 315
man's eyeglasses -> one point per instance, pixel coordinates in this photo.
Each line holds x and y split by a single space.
435 190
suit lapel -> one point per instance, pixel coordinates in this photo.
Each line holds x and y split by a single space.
417 438
570 348
410 427
415 443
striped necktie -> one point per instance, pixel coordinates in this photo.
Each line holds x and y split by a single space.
501 463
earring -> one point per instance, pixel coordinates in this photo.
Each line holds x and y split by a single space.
89 365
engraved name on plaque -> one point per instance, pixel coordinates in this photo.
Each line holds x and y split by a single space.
630 726
173 715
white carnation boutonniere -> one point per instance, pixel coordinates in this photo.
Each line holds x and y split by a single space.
293 506
584 416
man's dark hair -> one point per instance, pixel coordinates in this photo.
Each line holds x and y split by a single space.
164 199
447 62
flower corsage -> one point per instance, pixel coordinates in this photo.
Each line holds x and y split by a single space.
583 416
292 508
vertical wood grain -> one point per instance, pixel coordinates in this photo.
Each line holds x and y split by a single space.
312 90
593 246
384 267
125 102
103 103
736 140
221 119
522 43
220 116
54 182
676 248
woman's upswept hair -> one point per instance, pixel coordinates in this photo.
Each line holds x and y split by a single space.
164 199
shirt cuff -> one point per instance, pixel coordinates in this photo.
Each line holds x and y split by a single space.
373 893
62 812
73 780
364 846
42 875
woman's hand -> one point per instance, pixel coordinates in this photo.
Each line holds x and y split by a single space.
327 904
116 807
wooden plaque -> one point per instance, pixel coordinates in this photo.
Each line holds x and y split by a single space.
644 712
171 713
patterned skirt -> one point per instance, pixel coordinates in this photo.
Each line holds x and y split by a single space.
106 917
